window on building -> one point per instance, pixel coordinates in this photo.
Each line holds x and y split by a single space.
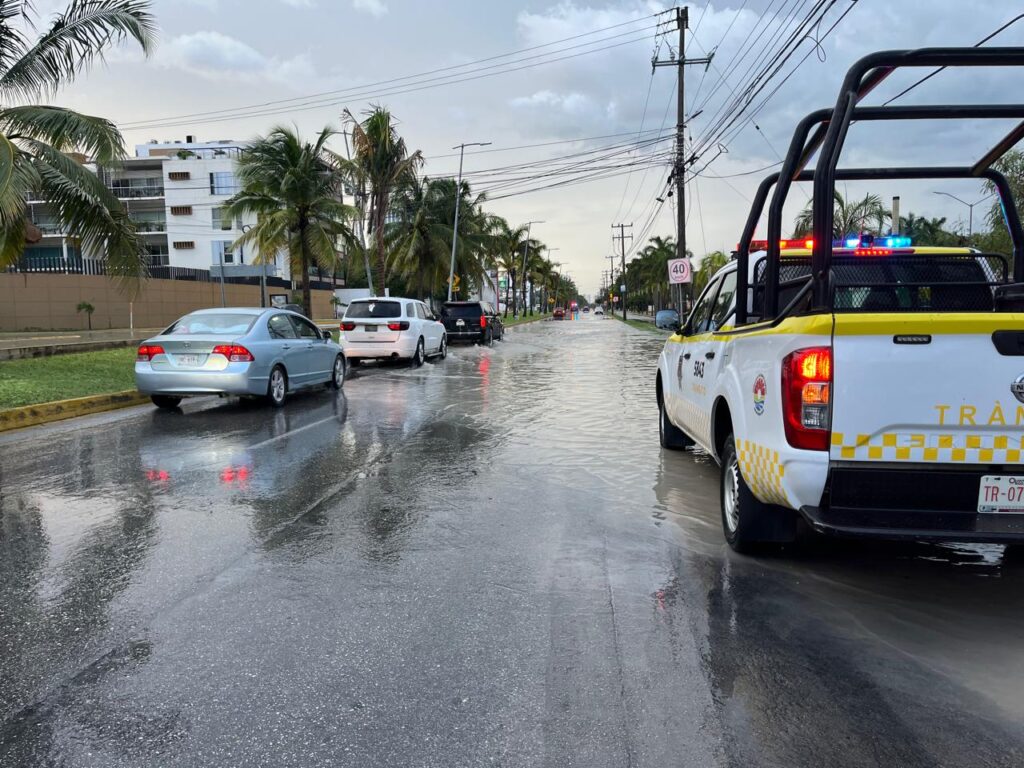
179 175
184 245
222 253
181 210
220 221
223 183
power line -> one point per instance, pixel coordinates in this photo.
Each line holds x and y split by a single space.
428 84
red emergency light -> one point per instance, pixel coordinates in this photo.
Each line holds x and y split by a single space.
762 245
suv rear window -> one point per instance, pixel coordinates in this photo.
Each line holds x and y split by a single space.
362 309
461 310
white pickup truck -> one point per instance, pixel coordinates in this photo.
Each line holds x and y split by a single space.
867 385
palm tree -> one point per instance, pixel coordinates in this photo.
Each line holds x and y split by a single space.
419 238
35 139
849 217
294 189
382 164
510 245
709 265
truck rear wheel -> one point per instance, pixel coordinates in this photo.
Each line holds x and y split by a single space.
747 522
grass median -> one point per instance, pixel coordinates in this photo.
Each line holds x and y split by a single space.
510 321
643 325
61 377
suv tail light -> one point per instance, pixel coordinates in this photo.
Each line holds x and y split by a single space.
348 326
483 321
234 353
148 351
806 398
402 325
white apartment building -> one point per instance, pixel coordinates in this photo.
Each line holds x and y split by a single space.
175 192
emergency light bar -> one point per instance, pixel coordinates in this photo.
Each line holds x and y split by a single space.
870 241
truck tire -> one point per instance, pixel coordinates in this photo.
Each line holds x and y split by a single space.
748 523
670 436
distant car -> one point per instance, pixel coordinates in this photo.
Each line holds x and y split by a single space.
474 321
586 309
598 311
392 329
558 314
237 351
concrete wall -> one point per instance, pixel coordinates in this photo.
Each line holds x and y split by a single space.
47 302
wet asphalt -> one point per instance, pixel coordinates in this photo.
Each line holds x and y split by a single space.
484 561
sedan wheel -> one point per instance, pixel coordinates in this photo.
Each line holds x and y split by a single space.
277 387
166 402
418 358
443 352
338 373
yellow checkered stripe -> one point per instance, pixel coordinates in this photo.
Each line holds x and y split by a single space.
946 449
762 471
698 418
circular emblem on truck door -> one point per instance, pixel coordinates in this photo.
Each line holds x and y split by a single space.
1018 388
760 392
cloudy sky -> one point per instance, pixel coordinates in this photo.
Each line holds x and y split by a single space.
256 63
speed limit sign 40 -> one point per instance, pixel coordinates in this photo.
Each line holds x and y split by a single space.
679 271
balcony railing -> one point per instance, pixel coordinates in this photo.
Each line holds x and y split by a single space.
127 193
149 227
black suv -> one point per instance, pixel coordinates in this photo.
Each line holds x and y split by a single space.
472 321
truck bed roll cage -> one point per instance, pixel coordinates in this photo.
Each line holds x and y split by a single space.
830 135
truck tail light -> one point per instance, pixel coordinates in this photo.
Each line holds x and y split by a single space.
401 325
807 398
148 351
483 321
235 353
348 326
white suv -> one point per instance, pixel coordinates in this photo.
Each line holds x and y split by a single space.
391 328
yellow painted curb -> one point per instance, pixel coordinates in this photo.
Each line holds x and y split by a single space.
43 413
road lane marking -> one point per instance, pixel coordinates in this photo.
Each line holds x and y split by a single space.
291 432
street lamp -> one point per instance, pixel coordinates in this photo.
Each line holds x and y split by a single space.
970 209
263 277
526 254
458 199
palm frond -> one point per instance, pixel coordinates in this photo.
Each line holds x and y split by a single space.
74 40
65 130
90 211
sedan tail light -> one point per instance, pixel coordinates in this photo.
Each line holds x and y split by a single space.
348 326
806 398
148 351
483 321
402 325
234 353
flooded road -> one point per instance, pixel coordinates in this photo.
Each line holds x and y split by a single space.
485 561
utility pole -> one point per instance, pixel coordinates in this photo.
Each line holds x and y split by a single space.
621 237
680 61
458 199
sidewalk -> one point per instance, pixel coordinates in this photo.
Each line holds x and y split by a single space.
23 339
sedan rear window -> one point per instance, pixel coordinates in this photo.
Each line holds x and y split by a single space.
230 324
461 310
361 309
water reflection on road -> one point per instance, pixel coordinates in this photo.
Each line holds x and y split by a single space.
485 559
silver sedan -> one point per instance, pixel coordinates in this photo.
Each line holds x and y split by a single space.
237 351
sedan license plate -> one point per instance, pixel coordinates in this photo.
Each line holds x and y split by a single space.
370 328
190 361
1001 493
